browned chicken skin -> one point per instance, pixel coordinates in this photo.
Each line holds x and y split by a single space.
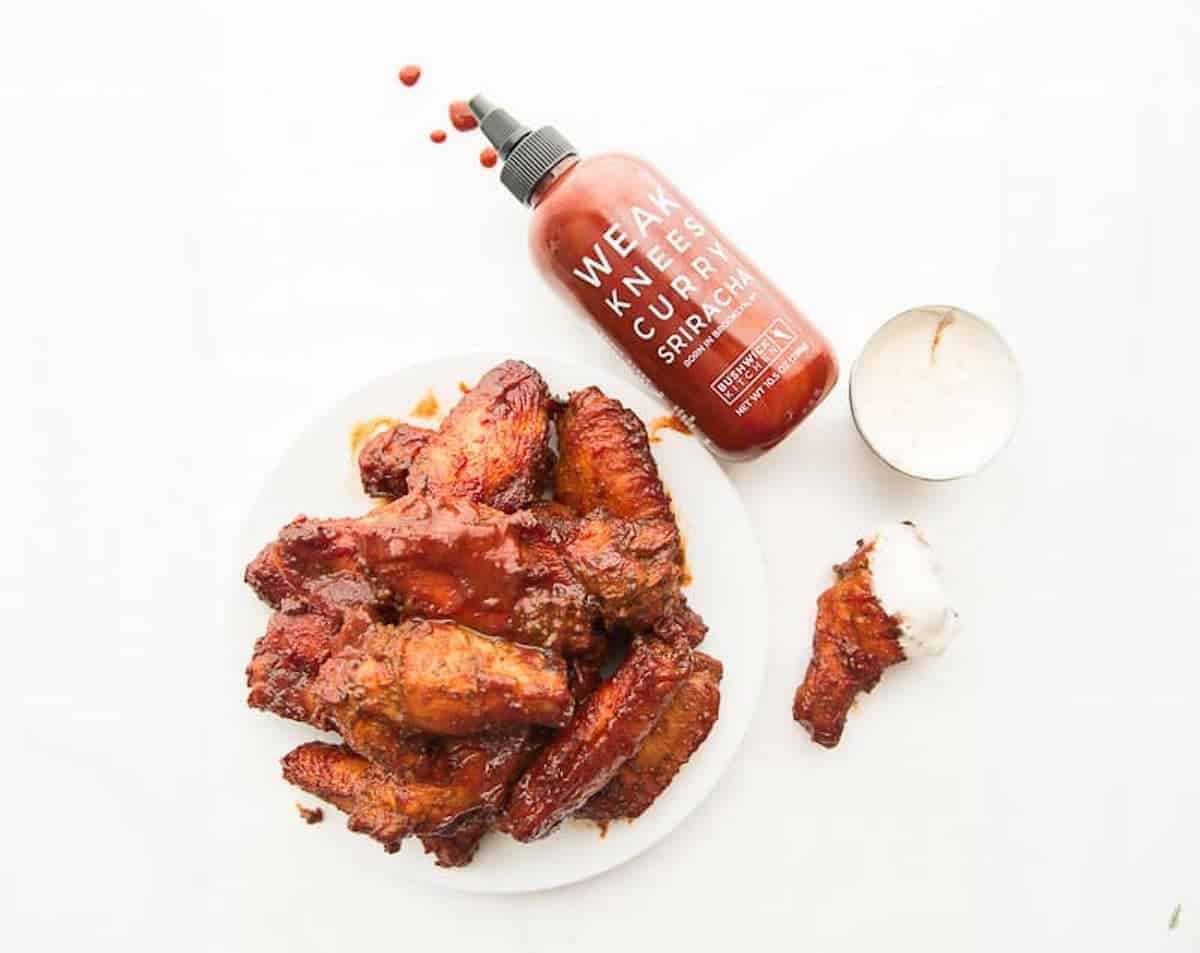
604 461
529 576
444 679
854 641
605 733
494 446
605 467
469 777
289 656
682 728
385 460
457 847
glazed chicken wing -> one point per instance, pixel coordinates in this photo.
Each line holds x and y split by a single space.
317 615
442 678
682 728
290 655
605 467
386 459
527 576
605 733
629 570
337 586
457 846
854 641
467 778
887 605
494 446
604 461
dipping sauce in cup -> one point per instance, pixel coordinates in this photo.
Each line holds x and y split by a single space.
936 393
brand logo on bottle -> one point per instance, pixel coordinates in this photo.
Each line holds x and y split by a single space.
663 274
759 367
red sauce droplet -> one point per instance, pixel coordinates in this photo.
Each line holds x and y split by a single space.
410 74
427 406
488 157
670 422
311 815
460 116
438 135
364 430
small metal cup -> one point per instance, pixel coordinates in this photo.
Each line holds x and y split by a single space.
957 314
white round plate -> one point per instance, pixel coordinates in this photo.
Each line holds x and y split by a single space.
318 477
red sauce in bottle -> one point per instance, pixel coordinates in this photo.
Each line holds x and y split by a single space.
741 365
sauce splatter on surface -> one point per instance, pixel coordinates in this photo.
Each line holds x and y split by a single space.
438 135
464 387
488 157
685 570
945 322
311 815
427 406
364 430
410 74
460 116
669 422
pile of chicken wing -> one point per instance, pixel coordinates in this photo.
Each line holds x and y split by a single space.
458 636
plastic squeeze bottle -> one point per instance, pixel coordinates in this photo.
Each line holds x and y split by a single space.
738 362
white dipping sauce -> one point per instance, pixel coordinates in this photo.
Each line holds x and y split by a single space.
936 393
906 581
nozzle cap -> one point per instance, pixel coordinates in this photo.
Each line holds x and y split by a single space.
528 156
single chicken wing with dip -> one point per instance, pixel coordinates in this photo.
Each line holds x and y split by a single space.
886 606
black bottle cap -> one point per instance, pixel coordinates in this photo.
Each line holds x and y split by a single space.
528 155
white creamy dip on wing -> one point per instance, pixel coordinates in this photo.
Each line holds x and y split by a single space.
936 392
906 581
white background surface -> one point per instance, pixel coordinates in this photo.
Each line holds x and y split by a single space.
216 222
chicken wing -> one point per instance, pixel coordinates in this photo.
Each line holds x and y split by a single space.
457 847
442 678
629 570
469 777
682 728
385 460
604 461
605 467
854 641
337 586
288 657
494 446
316 616
527 576
887 605
605 733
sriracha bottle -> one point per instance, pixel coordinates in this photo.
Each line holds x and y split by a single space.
739 363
